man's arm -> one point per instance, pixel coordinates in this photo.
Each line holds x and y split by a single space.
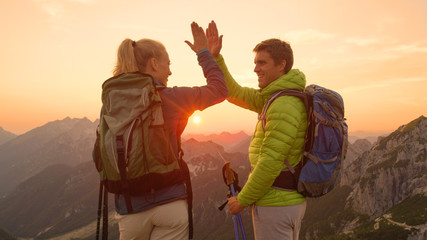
241 96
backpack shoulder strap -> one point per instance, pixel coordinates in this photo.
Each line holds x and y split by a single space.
286 92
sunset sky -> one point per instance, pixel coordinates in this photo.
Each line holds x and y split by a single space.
55 54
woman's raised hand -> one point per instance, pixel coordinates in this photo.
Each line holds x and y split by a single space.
199 36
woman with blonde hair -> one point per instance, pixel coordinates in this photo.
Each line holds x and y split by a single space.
163 212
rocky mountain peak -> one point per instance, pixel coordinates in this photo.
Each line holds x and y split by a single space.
391 171
355 150
413 129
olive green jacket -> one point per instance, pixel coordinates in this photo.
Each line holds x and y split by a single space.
283 137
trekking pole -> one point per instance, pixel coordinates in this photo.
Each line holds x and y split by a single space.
239 217
231 177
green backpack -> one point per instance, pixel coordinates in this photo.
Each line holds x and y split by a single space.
132 152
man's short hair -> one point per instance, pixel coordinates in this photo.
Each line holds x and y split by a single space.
279 50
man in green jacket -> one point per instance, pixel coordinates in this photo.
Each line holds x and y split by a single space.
276 213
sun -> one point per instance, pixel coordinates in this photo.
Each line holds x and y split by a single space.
196 119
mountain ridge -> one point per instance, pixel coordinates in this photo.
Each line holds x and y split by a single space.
6 136
382 191
66 141
226 139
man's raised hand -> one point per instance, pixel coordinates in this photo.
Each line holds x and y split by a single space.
214 40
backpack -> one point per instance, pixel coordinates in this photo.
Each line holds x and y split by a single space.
325 145
132 152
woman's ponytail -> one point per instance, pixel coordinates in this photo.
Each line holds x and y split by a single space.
126 61
133 56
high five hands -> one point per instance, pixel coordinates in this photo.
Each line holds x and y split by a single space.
210 40
214 40
200 40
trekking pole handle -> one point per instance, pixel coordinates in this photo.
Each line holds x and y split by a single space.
229 175
238 223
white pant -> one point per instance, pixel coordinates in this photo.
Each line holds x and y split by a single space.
164 222
278 223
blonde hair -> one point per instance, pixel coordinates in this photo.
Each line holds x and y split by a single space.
133 56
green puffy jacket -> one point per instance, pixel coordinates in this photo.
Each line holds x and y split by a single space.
283 137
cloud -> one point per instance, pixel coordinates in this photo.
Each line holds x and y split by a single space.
52 8
384 50
386 22
82 1
57 12
55 8
407 48
409 100
362 42
141 27
308 36
383 84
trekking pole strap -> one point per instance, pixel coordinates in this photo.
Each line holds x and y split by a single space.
105 216
98 220
122 169
187 179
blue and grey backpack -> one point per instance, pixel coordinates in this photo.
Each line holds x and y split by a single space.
326 142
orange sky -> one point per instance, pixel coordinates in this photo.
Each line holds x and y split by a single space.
54 55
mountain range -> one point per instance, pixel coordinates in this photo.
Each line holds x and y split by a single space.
5 136
68 141
49 186
232 142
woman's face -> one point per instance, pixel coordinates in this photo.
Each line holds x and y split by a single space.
163 71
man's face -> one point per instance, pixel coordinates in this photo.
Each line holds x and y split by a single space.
266 69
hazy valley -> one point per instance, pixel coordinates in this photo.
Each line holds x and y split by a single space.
49 185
